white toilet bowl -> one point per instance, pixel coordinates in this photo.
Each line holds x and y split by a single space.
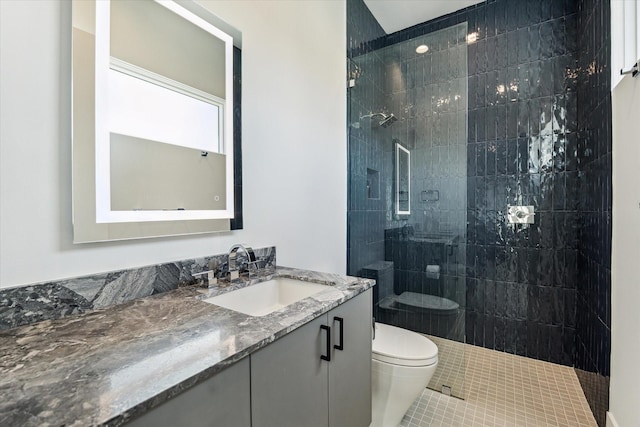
402 365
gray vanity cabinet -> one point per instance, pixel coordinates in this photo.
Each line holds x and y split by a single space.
222 400
350 369
291 385
289 381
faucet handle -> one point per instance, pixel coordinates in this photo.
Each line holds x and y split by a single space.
210 278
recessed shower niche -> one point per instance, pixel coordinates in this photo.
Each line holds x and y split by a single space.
373 184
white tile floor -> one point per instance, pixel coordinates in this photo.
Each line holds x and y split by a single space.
506 390
451 366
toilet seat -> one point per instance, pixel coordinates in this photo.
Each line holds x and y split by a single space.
402 347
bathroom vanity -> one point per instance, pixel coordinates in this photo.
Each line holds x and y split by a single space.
321 372
174 359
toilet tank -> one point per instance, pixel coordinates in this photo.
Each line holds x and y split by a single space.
382 272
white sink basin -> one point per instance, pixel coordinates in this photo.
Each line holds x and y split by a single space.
266 297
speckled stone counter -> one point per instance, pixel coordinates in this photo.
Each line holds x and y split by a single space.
108 366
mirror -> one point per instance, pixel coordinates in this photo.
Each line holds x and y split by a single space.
156 149
403 182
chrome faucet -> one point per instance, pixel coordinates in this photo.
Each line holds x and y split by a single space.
234 272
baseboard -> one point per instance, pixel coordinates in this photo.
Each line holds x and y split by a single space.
611 421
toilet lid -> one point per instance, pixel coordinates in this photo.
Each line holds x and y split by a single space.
403 347
432 303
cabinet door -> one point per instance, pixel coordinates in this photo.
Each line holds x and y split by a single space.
222 400
350 368
289 380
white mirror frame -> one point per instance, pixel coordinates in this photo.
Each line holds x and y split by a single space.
400 150
104 214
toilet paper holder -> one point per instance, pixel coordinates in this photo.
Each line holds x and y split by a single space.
432 272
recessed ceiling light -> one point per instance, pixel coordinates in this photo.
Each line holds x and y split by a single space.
422 48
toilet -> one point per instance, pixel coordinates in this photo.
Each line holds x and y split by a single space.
403 362
424 313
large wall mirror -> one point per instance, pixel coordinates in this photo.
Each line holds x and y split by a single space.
156 120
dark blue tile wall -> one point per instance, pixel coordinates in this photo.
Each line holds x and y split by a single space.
521 149
428 94
593 320
522 142
366 213
539 115
364 33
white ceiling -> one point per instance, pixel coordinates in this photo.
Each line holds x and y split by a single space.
396 15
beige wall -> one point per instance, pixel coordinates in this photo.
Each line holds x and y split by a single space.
625 298
294 143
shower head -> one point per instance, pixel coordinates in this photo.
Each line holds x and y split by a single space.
386 120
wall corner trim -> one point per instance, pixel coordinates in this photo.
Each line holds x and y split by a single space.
611 421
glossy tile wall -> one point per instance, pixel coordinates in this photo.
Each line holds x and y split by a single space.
364 33
522 149
522 135
428 93
540 134
593 338
366 209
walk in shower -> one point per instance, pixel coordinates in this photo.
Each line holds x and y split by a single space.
407 217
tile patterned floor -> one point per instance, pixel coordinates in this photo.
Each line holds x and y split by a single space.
451 366
506 390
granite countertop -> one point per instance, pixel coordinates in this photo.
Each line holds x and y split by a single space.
108 366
